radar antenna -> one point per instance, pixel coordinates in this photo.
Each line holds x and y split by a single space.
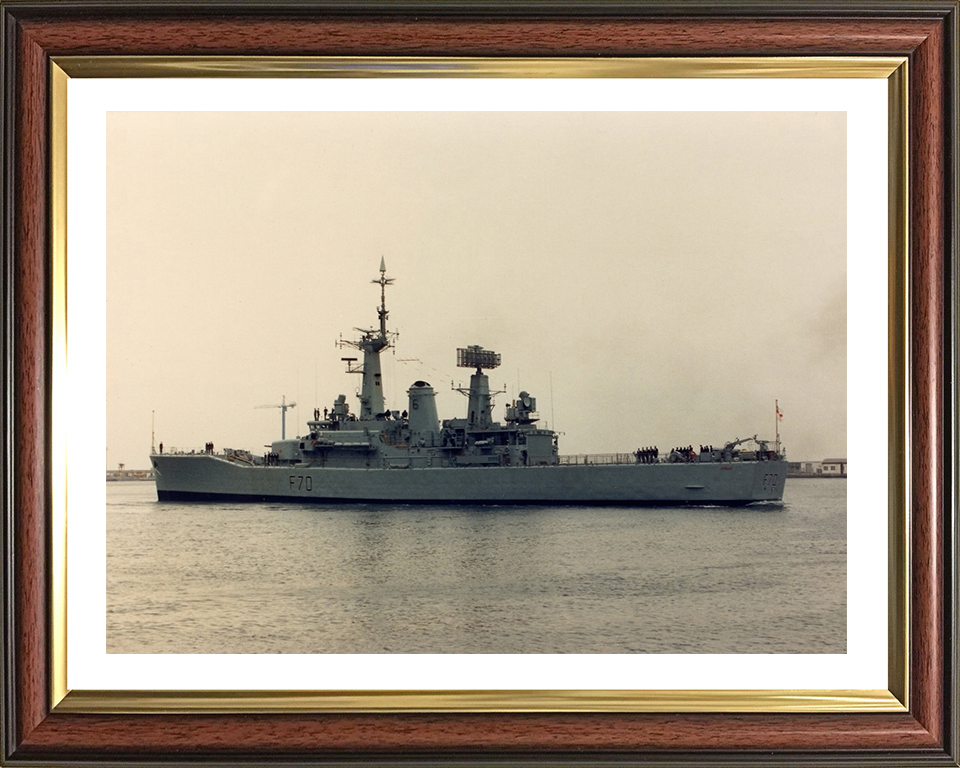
477 357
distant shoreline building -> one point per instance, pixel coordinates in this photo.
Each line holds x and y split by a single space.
129 474
824 468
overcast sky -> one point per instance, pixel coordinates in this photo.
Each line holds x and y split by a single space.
651 278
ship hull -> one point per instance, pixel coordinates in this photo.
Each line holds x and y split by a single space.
214 478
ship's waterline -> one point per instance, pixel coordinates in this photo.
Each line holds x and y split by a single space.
215 478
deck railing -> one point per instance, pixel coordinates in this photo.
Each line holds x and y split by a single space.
224 453
600 458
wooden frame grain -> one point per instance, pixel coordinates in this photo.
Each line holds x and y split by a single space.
924 32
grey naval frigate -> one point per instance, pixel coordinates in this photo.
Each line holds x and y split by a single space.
376 454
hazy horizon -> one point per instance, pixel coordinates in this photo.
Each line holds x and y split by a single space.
651 278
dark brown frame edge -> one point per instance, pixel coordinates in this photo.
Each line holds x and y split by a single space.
926 32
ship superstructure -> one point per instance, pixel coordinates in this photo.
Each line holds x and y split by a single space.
376 454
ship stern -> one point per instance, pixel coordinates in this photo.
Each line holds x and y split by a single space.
770 480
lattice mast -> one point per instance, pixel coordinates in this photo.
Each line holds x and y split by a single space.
479 396
372 342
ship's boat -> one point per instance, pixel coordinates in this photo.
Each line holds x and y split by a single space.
376 454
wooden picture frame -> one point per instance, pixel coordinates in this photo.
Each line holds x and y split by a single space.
36 732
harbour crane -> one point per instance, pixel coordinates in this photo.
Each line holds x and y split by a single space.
283 414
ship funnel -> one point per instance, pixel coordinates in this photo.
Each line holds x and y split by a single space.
423 408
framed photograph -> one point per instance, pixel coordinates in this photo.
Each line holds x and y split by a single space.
161 172
560 224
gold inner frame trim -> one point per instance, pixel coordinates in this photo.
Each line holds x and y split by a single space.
730 701
898 416
58 371
438 67
893 69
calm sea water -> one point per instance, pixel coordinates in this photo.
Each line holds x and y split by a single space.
278 578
